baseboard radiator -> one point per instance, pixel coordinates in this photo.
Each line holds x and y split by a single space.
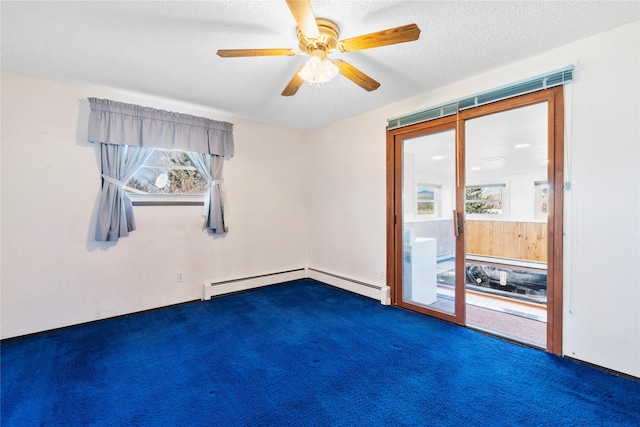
380 293
215 289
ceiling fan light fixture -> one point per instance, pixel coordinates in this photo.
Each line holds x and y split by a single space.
318 71
318 38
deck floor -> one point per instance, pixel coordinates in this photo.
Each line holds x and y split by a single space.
507 317
510 319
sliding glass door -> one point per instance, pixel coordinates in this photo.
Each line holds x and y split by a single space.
507 205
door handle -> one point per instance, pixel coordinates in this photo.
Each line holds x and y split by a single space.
457 223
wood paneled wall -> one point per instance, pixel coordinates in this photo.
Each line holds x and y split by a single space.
507 239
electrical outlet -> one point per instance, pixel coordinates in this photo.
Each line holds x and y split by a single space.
179 277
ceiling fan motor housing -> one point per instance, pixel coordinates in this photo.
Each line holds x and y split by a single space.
325 43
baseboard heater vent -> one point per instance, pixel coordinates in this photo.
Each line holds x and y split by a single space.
380 293
215 289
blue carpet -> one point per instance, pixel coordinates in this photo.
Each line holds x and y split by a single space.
298 354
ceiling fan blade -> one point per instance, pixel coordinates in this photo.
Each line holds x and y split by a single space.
406 33
303 14
294 84
356 76
236 53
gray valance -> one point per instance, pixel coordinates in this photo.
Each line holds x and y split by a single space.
118 123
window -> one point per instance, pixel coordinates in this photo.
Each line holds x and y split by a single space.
428 199
167 173
484 199
542 200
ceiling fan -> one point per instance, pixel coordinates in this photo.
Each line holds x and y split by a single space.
318 38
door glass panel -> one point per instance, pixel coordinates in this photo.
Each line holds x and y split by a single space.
428 200
506 203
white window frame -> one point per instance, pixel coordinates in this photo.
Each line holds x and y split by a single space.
140 198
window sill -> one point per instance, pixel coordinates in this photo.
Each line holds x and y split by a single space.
166 200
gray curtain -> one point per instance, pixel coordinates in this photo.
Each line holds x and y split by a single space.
115 212
128 133
210 167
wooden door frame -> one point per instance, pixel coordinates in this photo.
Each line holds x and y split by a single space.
555 174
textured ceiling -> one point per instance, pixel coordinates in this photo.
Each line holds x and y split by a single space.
167 48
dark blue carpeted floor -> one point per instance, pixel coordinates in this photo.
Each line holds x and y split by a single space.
299 354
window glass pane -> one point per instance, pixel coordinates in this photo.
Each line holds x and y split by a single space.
426 208
167 172
165 158
426 199
484 200
542 200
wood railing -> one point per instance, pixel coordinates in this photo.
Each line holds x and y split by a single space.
507 239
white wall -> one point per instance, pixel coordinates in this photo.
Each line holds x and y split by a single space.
54 274
602 245
347 211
